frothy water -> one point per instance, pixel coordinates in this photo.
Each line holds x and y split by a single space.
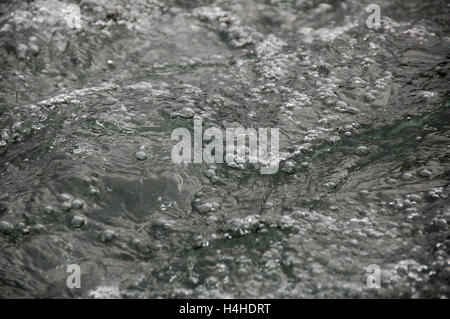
86 116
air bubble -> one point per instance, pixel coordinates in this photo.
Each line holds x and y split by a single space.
93 191
6 228
108 235
77 221
407 176
186 112
289 167
425 173
141 155
77 203
66 206
65 197
362 150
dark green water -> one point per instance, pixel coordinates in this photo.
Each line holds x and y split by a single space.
364 119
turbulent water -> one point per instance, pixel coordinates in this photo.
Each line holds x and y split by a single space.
364 119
